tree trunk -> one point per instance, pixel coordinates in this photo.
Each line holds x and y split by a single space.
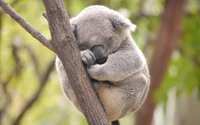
66 48
165 43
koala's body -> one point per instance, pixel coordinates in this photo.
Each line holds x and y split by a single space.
115 64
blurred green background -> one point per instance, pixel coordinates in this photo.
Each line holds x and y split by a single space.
30 92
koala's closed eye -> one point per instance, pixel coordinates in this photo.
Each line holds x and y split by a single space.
109 40
82 47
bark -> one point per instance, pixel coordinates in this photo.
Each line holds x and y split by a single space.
165 43
66 48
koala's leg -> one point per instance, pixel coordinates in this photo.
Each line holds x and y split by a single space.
134 89
119 101
118 66
110 98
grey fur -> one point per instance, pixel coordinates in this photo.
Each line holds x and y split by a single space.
122 82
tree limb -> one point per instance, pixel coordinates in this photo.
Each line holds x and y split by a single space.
43 82
4 83
67 50
37 35
165 43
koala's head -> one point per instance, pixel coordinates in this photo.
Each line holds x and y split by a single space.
102 27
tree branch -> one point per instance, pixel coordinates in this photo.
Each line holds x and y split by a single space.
25 25
43 82
67 50
4 84
165 43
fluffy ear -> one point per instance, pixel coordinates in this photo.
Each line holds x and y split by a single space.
73 27
119 22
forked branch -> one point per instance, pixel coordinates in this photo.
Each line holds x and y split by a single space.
37 35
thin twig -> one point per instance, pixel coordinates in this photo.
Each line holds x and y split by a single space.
37 35
45 15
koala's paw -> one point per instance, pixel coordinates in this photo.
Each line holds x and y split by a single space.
88 57
96 72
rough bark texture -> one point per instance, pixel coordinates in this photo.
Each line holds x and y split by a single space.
165 43
66 48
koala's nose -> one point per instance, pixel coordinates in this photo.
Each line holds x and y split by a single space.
99 53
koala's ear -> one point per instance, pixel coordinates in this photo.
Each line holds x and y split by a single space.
119 22
73 26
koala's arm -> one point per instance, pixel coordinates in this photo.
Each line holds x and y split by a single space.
118 66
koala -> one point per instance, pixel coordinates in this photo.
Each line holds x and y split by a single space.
116 66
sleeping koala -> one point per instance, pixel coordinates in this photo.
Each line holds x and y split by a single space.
115 64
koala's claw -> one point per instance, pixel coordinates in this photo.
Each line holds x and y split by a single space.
88 57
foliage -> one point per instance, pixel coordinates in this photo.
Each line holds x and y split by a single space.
184 69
